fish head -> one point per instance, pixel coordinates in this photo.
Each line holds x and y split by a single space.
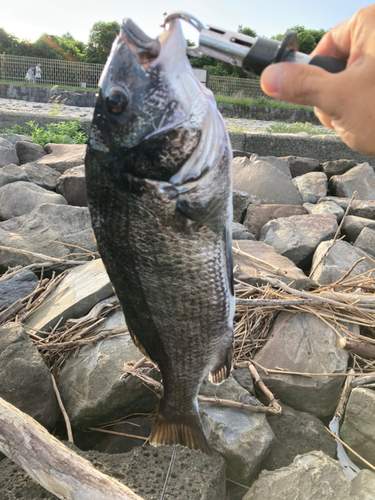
150 109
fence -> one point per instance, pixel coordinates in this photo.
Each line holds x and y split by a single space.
13 69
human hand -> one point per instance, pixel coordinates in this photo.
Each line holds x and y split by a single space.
342 101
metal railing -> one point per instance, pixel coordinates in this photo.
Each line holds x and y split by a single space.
13 69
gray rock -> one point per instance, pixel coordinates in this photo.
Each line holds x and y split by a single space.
61 157
249 271
4 143
25 381
20 198
41 175
12 173
230 389
36 232
243 439
297 237
92 389
240 232
243 377
330 267
28 151
13 138
144 469
8 156
337 167
264 182
81 289
72 185
296 433
360 179
358 428
304 343
237 153
258 215
17 287
328 207
311 186
366 241
352 226
342 202
363 485
299 165
359 208
282 165
240 202
313 476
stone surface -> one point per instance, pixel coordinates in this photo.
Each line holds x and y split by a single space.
8 156
240 202
144 469
253 273
242 438
4 143
337 167
43 176
312 186
28 151
313 476
61 157
81 289
240 232
36 232
352 226
358 428
229 389
258 215
17 287
13 138
366 241
364 485
264 182
328 207
297 237
72 185
299 165
360 179
12 173
25 381
280 164
337 262
296 433
304 343
358 208
20 198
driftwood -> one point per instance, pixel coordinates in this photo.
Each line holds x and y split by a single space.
356 347
51 464
340 409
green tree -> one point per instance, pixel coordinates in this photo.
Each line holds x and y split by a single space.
101 37
307 39
246 31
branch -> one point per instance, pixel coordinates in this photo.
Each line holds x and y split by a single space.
361 348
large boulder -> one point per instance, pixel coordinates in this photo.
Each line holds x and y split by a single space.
240 232
352 226
312 186
337 167
331 264
43 176
13 138
28 151
25 380
363 485
258 215
304 343
366 241
264 182
273 265
358 428
300 166
39 230
19 198
297 237
279 163
17 287
328 207
359 208
313 476
61 157
8 156
240 202
72 185
12 173
360 179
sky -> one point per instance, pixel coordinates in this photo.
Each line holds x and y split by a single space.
29 19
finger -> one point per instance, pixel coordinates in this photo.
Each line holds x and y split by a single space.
323 118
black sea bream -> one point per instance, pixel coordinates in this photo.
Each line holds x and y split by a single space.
159 185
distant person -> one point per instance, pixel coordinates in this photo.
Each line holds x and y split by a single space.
30 76
38 74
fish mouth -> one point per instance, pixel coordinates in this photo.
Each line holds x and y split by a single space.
144 48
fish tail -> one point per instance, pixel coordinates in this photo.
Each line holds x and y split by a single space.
187 431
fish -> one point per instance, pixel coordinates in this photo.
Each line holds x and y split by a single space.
159 188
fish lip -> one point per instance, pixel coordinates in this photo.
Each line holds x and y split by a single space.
144 48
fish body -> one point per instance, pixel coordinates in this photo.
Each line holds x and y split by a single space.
159 185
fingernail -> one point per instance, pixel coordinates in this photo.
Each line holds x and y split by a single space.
271 79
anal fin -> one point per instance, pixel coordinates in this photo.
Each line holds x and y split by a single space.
222 371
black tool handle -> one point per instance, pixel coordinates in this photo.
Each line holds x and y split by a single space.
329 63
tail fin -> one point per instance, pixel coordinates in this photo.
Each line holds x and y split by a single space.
183 430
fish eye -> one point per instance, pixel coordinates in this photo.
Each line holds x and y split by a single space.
117 99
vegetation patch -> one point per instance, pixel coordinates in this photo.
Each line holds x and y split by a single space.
294 128
65 132
262 102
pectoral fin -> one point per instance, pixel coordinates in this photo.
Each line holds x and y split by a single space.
208 214
222 371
